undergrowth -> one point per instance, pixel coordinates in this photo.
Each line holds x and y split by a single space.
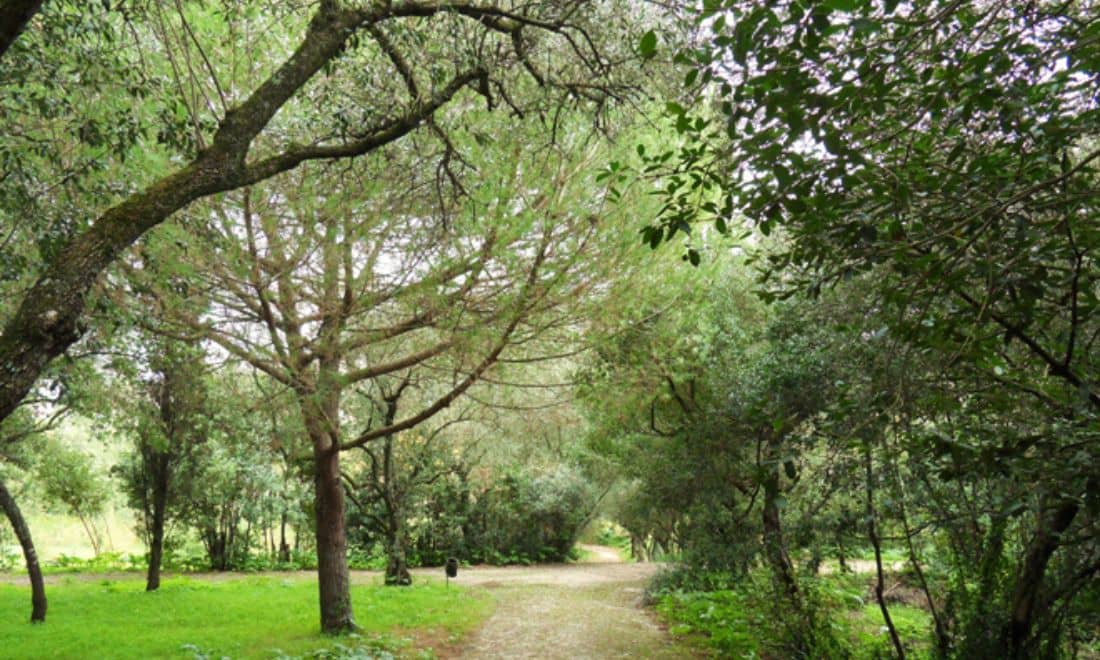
743 618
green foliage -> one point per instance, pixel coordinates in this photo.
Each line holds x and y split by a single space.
373 647
743 618
69 479
526 518
521 517
932 165
610 536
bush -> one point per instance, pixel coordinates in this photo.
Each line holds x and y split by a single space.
742 617
521 518
526 519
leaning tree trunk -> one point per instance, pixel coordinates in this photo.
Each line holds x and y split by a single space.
872 535
1017 635
48 318
34 571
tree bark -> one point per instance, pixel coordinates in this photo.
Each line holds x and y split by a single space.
156 534
321 414
34 571
775 547
14 16
284 549
332 559
1017 635
775 551
397 564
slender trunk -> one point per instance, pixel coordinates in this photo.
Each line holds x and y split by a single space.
156 543
801 628
89 529
397 565
246 545
284 549
1017 635
107 533
943 641
156 534
872 534
34 571
775 547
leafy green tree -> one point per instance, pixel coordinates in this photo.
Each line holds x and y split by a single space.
243 484
399 468
357 279
69 479
948 151
224 130
169 425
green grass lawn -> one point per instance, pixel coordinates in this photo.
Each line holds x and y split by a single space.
258 617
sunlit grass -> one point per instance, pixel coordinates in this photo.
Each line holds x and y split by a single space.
238 618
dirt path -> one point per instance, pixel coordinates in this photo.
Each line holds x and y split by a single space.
589 610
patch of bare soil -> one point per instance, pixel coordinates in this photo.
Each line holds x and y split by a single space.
590 610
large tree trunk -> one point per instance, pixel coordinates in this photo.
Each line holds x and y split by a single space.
332 559
321 414
1017 635
34 571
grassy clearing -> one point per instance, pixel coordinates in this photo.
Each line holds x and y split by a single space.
258 617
